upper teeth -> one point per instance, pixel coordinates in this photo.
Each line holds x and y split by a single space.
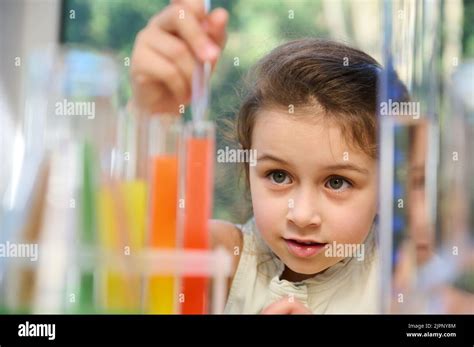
308 243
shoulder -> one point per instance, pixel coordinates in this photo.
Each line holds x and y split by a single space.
227 235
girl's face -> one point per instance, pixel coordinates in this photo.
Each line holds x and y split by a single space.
309 185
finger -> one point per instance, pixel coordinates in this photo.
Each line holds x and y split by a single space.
181 21
197 6
156 98
285 306
277 307
148 64
299 308
175 51
216 24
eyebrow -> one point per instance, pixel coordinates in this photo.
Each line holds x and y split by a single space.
342 166
271 157
348 167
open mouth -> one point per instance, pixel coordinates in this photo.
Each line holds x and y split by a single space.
304 249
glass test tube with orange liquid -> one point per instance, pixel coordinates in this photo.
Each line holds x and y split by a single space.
196 178
164 141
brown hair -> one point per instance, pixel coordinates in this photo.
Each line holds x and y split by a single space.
314 74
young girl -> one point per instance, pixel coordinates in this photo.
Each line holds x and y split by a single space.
311 117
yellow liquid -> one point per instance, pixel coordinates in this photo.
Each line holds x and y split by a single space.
121 221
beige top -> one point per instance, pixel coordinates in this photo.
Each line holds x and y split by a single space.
350 286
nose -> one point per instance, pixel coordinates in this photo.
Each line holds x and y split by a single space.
302 209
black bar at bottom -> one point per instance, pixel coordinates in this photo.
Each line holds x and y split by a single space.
450 330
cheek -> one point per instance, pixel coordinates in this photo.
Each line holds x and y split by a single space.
351 222
268 209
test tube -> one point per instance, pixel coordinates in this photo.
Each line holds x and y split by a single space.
101 231
196 177
454 272
122 217
196 183
408 116
20 281
88 227
164 144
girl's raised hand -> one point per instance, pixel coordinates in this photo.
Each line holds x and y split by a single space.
286 305
165 53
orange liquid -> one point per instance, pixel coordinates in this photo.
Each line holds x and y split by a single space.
164 190
198 200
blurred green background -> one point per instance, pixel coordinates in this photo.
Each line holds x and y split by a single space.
255 27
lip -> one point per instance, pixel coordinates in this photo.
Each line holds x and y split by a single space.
301 250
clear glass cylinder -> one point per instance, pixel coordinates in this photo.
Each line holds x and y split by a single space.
408 112
165 133
196 187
